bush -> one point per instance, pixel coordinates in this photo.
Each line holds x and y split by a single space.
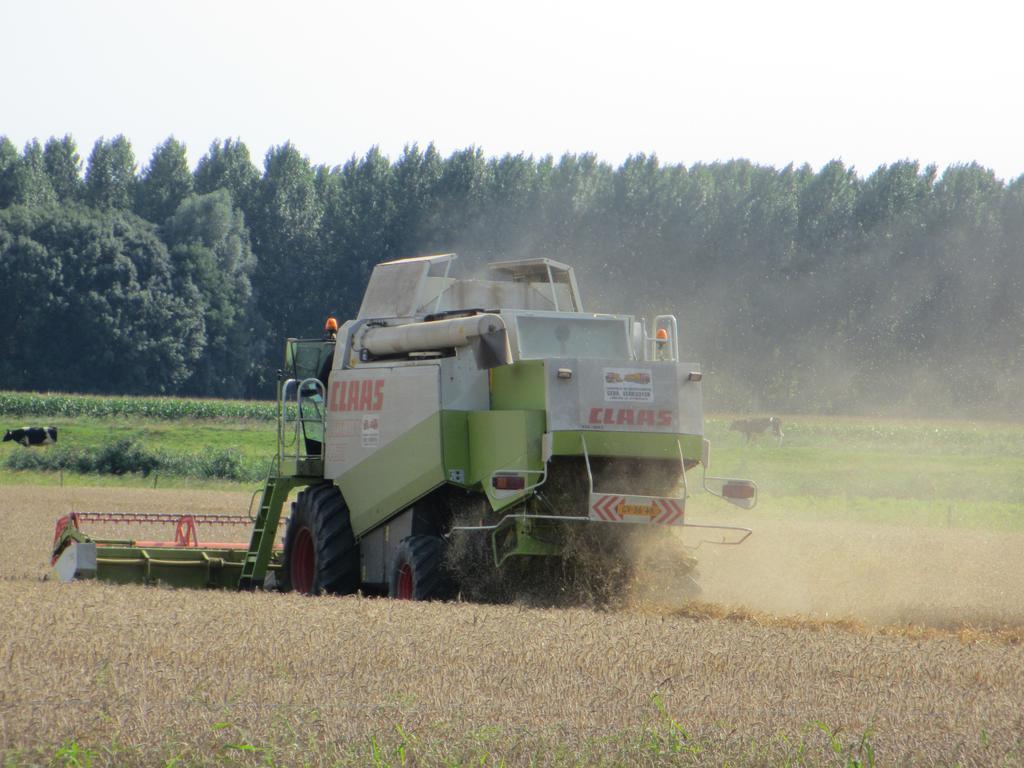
225 465
122 457
127 456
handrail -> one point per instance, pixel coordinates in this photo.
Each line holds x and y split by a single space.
293 438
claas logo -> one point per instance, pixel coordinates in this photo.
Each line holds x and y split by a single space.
638 377
640 417
357 395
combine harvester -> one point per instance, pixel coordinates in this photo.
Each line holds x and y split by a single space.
494 414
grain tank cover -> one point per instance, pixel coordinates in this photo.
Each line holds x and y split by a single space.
399 288
558 277
411 289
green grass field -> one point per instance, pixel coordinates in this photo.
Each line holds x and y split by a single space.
898 471
254 439
920 472
140 440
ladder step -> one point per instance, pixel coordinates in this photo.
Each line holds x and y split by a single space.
260 541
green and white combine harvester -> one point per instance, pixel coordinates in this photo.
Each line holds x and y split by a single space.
491 413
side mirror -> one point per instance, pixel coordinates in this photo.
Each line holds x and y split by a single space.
740 493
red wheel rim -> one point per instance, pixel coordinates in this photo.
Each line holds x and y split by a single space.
302 562
404 582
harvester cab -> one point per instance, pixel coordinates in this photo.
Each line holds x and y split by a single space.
495 412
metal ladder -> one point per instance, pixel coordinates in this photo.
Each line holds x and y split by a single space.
264 529
291 467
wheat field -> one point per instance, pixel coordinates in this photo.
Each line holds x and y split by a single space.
815 646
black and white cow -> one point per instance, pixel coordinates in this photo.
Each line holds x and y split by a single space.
30 436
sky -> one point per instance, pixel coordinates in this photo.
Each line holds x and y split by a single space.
866 82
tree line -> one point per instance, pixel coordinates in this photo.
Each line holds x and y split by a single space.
798 289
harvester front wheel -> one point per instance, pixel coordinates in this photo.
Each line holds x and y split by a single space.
418 571
320 553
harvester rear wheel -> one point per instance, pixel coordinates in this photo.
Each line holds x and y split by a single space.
320 552
418 571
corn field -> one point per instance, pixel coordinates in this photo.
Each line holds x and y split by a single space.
29 404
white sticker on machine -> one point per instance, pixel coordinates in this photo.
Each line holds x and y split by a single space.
371 431
632 385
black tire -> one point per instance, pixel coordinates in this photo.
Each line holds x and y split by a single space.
418 571
320 552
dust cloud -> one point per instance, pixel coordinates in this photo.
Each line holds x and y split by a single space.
933 577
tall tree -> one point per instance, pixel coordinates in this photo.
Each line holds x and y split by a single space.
210 251
33 186
63 167
110 175
512 206
1008 302
164 183
639 212
826 208
413 186
578 194
30 299
8 172
108 317
227 165
461 200
892 190
966 250
285 230
357 230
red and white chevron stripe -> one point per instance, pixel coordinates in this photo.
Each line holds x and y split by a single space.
604 509
672 512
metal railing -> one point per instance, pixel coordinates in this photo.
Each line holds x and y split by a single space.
300 407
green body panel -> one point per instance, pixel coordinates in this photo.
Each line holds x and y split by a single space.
519 387
394 476
312 469
640 445
504 440
455 445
